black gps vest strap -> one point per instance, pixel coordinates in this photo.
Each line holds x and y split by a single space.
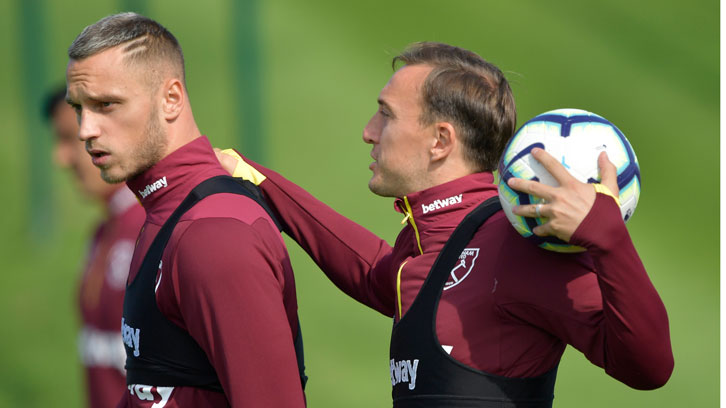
158 352
441 381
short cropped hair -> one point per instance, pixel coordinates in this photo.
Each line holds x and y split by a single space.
468 92
148 41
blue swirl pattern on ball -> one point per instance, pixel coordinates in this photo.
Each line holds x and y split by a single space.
576 137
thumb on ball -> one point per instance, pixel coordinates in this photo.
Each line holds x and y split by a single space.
608 173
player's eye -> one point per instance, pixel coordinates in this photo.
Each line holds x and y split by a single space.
105 106
77 109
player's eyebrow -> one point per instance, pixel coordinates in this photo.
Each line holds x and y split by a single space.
95 98
104 98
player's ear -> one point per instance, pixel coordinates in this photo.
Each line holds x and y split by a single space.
172 99
445 138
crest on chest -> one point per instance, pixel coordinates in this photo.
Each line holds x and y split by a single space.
463 267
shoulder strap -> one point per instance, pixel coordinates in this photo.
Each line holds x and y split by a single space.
214 185
440 379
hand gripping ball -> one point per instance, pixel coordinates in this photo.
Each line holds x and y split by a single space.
576 137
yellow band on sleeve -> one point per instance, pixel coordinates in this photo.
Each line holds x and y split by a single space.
244 170
602 188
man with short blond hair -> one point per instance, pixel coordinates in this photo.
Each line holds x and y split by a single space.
210 311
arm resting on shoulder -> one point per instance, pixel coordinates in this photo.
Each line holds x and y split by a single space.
353 258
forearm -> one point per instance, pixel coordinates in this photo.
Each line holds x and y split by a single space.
634 329
347 253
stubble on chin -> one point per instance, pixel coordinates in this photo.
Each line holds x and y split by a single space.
143 156
111 179
391 184
378 187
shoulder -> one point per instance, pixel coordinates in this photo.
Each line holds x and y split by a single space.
227 205
498 234
221 234
209 248
522 269
226 224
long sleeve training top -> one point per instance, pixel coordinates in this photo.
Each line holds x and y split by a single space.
510 307
226 279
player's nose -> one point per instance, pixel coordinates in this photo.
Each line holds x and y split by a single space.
88 126
372 130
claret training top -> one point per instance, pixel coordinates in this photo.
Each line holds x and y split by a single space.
509 307
225 278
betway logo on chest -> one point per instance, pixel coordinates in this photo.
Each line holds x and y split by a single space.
438 204
153 187
131 336
404 371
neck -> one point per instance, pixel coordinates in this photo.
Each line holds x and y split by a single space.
181 131
445 171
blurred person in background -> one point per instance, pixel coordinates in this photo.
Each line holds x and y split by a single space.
103 281
481 315
210 310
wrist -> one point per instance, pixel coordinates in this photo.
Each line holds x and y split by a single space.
603 189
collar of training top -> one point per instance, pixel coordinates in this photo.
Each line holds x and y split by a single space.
161 188
442 207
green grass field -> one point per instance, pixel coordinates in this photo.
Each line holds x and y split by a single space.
650 67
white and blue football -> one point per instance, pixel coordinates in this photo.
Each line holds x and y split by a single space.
575 137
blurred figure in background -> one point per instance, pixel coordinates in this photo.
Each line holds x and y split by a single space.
102 284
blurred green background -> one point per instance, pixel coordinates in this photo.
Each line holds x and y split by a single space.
650 67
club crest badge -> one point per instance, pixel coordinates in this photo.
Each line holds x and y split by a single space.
463 267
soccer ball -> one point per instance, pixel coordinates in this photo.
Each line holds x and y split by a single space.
576 137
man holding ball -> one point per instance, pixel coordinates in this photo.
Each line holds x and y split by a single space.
494 336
